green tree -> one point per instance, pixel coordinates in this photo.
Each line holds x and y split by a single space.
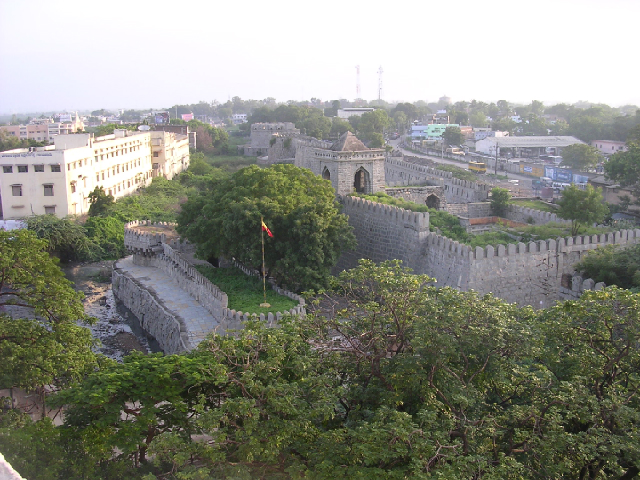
371 125
624 167
580 156
40 341
299 208
340 126
65 238
100 202
108 234
614 266
453 136
500 201
478 119
582 207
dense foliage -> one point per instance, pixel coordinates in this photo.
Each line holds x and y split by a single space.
388 377
40 340
298 206
624 167
613 266
582 207
500 201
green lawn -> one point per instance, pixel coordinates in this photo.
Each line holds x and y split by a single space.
535 204
245 293
230 163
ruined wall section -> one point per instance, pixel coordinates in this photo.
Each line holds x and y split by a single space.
401 173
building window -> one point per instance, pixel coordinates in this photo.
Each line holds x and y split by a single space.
73 188
23 168
7 169
155 154
16 190
55 168
50 210
38 168
97 177
48 190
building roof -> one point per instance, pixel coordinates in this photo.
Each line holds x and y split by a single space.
348 142
540 141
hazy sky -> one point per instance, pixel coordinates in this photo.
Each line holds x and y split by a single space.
88 54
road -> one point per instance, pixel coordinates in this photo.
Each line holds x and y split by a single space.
523 188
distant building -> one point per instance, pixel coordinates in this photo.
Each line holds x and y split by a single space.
432 131
525 147
239 118
609 147
261 134
57 179
179 129
482 133
345 113
43 130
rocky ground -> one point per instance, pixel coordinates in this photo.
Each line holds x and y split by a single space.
116 328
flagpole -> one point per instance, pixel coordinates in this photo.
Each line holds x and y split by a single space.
264 271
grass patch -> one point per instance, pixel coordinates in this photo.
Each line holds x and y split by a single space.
229 163
244 292
535 204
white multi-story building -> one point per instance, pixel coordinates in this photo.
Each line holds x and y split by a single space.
57 179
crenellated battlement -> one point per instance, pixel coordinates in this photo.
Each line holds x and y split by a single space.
418 221
141 241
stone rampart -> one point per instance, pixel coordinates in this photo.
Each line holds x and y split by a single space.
383 232
573 286
531 273
167 327
524 273
432 196
521 214
401 173
153 249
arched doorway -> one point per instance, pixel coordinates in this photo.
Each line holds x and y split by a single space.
362 181
325 174
433 202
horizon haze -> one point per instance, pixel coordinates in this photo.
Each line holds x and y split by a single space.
74 55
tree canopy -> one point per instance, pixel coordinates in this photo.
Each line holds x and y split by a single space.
453 136
40 341
297 206
386 377
582 207
500 201
624 167
580 156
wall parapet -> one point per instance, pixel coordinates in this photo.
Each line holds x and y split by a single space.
566 244
418 221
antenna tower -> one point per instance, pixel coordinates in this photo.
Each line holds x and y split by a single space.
380 82
357 81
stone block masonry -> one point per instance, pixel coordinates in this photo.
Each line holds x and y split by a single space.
383 232
176 304
526 274
401 173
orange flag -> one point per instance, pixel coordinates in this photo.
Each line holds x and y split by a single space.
266 229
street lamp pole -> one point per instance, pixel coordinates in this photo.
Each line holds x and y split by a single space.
496 168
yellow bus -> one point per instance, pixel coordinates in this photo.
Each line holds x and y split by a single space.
478 167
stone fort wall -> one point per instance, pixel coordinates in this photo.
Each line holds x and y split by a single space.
401 173
163 251
383 232
526 274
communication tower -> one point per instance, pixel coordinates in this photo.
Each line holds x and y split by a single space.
380 82
357 81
